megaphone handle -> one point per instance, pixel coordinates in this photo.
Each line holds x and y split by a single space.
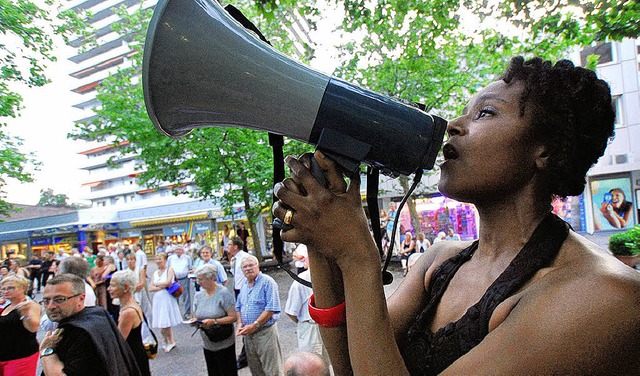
316 171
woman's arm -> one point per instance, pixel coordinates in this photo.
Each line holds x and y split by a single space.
142 276
108 270
322 220
230 318
91 282
328 289
30 315
152 286
171 277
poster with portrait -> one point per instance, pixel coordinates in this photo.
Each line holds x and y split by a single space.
613 206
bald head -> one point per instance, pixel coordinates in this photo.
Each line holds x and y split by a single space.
305 364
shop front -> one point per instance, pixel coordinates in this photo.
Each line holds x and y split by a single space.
177 229
439 213
42 244
15 248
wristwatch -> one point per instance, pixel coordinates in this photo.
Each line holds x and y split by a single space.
257 324
46 352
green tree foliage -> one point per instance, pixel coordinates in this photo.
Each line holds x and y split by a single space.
27 30
49 198
423 51
227 165
439 52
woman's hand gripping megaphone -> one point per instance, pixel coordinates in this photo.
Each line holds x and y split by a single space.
309 161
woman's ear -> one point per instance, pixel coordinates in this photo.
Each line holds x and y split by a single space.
541 157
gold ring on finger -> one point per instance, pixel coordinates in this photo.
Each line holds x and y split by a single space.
287 217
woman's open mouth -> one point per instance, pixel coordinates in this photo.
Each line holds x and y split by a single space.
449 152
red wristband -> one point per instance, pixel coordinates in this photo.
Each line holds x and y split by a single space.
327 317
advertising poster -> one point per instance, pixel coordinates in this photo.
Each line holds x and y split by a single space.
612 201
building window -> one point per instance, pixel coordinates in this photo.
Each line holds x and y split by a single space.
605 52
617 106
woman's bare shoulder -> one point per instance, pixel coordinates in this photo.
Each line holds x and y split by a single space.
577 316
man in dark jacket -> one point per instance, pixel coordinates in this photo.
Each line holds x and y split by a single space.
87 341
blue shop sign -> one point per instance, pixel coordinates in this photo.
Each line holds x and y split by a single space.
39 242
174 230
201 228
131 234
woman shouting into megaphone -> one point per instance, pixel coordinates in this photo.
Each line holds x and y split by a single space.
530 296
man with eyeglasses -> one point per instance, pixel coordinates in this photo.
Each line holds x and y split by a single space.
87 341
258 307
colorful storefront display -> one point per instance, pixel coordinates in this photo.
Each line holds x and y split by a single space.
572 210
439 213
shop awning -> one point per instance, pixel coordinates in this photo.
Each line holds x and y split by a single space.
171 219
93 184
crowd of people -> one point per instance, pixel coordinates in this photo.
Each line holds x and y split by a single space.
111 290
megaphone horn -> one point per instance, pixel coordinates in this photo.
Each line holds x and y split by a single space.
201 68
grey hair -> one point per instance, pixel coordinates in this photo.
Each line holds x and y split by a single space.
74 265
77 283
250 257
124 278
207 271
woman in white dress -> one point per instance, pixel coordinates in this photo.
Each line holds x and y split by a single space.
165 311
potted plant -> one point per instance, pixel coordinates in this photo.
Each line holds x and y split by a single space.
626 246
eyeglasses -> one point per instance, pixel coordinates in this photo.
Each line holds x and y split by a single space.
58 299
8 288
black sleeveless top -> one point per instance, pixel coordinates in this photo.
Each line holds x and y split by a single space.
137 347
16 341
427 353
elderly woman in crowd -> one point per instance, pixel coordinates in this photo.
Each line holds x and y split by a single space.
19 322
123 284
205 257
215 305
164 307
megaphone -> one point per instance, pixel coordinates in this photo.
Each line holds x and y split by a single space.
201 68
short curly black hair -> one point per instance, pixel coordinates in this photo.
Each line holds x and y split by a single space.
571 113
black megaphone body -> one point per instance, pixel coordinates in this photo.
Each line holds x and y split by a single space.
201 68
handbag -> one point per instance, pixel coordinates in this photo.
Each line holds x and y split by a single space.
175 289
150 348
218 332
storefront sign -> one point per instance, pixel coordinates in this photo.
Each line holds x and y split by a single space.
130 234
201 228
174 230
40 242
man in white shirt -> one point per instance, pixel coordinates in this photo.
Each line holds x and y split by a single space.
297 308
121 262
237 254
61 254
181 264
141 257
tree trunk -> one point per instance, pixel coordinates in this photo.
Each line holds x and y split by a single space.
415 219
257 250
